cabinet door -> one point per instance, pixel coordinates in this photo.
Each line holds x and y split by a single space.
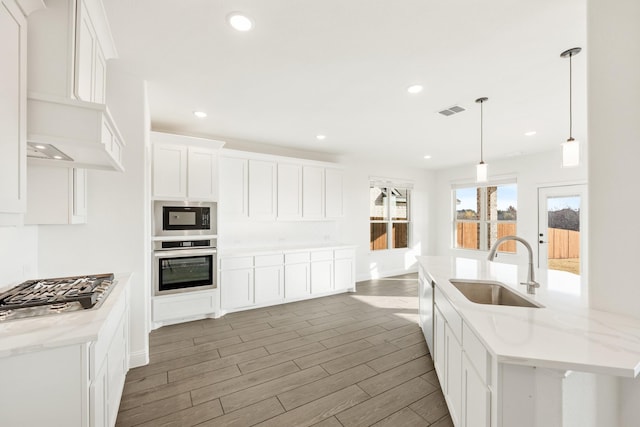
234 187
476 397
439 346
453 374
169 170
334 193
262 189
202 182
312 192
117 365
236 288
343 277
13 86
268 284
296 281
98 405
99 76
321 276
289 191
85 55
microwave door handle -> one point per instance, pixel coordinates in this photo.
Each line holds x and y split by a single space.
184 253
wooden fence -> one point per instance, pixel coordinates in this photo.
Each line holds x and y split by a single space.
563 244
378 235
467 236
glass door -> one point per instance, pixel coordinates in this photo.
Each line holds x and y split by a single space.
562 236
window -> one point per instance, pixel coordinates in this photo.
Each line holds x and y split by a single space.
482 215
389 208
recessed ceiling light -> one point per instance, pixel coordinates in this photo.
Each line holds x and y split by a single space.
415 89
239 22
40 147
427 157
533 132
200 114
320 137
57 157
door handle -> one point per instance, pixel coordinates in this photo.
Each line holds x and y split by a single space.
542 241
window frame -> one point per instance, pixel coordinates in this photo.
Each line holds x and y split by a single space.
482 221
389 221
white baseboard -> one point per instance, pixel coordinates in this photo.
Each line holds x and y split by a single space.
139 358
381 275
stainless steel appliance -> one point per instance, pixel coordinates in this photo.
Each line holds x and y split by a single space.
53 296
173 218
184 265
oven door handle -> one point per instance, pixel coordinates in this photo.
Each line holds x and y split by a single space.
184 253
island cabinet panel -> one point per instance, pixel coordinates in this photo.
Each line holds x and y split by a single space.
476 399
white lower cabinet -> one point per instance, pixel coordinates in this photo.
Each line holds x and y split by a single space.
462 365
236 288
297 275
268 284
274 278
170 308
476 400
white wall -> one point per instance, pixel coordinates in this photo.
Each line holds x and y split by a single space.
531 172
613 83
18 255
355 227
116 237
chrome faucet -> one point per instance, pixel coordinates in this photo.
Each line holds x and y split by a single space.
531 283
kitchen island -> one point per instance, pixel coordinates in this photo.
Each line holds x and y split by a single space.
525 366
66 369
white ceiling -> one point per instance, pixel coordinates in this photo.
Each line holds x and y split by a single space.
341 68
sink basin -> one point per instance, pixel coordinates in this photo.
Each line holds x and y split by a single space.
492 293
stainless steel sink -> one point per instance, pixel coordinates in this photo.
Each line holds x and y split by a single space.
492 293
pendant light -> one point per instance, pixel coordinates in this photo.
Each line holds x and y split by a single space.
571 148
481 168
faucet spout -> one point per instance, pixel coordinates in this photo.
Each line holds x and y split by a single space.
531 283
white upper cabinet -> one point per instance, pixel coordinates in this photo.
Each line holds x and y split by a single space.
69 44
234 187
169 170
184 167
312 192
289 191
262 189
56 195
334 193
13 86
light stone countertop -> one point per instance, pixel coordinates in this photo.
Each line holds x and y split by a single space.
285 248
39 333
565 334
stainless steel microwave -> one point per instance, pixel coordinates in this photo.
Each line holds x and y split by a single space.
173 218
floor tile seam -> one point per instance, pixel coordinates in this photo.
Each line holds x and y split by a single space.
317 398
397 385
246 385
284 411
156 414
204 372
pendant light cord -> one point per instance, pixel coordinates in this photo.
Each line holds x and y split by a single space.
570 99
481 132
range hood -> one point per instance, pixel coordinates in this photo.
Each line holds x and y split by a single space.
82 134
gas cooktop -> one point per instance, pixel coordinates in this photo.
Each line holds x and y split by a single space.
53 296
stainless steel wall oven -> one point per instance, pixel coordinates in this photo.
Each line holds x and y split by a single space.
185 265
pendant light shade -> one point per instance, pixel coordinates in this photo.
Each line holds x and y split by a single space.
570 148
481 168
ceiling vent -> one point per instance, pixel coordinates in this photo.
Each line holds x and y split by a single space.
451 110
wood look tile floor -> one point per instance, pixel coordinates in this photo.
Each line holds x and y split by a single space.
356 359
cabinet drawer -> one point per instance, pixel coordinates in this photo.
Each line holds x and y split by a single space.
449 313
234 263
178 306
298 257
322 256
477 353
343 253
268 260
